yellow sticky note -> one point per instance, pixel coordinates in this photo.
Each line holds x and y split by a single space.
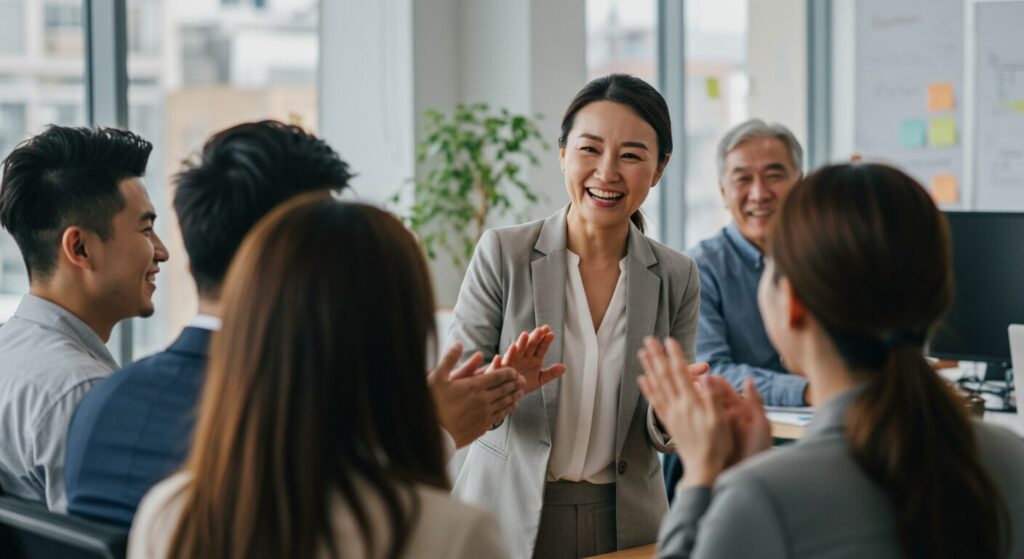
1018 106
711 84
945 189
942 132
712 87
940 96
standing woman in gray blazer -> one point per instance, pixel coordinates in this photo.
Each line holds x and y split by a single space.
857 275
574 470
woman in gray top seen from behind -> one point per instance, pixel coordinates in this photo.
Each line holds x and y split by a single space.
857 276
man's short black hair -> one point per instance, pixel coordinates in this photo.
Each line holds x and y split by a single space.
243 173
66 177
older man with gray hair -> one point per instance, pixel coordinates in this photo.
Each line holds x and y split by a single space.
758 164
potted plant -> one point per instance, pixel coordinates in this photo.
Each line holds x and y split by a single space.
471 162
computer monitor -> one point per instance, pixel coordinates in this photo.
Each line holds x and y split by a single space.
988 295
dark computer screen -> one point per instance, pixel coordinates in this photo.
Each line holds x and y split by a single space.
988 295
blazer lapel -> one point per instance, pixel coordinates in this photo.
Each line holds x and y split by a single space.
549 276
643 292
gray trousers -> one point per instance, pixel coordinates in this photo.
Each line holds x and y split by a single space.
578 520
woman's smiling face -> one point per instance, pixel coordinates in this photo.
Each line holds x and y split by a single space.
610 162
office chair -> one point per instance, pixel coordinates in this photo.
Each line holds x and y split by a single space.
29 531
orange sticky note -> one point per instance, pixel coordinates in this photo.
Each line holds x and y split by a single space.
940 96
945 190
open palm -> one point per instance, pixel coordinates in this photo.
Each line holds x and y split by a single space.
526 356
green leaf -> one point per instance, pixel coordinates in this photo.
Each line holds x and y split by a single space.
469 160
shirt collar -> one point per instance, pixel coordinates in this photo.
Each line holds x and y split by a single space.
51 315
830 418
206 322
750 253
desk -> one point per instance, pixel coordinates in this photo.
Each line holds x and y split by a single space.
642 552
786 431
1011 421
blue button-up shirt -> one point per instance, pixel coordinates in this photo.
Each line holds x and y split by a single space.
730 334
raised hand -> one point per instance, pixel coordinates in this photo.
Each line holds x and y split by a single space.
750 427
468 401
696 419
526 356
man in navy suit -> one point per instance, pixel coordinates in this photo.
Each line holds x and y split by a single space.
135 427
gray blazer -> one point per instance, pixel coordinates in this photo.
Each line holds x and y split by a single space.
516 282
812 500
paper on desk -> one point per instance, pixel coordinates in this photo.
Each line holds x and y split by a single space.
799 419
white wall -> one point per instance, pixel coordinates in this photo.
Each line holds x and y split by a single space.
777 62
384 63
366 91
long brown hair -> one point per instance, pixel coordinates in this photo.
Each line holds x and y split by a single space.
634 93
868 253
316 388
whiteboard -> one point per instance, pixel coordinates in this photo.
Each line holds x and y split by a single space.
908 54
999 98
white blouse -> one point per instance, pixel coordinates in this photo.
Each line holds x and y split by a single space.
583 446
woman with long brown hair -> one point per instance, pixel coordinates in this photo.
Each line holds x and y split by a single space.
858 275
317 435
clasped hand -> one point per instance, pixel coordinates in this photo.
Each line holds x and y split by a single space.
712 426
472 397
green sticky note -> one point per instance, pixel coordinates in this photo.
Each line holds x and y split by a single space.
942 132
912 133
712 87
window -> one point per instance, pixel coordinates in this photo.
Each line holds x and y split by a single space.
622 36
716 93
743 59
63 31
12 27
223 63
41 83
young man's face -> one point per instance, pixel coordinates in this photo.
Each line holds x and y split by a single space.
127 263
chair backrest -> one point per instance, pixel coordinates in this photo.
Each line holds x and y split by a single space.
29 531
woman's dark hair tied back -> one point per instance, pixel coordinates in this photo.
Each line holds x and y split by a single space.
863 351
867 252
901 337
634 93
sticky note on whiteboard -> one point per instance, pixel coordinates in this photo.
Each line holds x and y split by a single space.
942 132
912 133
945 189
712 86
940 96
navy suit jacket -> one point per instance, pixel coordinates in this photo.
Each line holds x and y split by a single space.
133 429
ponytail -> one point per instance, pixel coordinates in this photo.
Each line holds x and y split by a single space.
910 433
867 251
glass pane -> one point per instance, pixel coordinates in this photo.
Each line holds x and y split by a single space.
197 67
42 64
717 83
743 60
622 36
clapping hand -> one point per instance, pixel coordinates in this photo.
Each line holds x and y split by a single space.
468 401
750 427
526 356
712 426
